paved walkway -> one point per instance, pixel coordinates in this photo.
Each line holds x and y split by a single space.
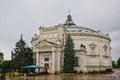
113 76
116 73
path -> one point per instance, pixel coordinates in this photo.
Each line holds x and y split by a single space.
116 72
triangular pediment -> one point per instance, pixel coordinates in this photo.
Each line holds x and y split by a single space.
46 44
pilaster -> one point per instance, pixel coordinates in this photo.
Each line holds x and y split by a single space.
53 60
37 58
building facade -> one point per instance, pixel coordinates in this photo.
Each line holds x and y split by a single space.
92 48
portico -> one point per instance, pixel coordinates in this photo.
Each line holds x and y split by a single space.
47 56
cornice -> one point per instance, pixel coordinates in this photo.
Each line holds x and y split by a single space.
89 34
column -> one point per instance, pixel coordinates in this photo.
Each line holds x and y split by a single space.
37 58
83 60
58 59
100 54
53 61
109 56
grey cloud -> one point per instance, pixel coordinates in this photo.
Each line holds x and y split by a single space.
25 16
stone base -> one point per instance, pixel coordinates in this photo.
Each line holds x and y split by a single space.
53 71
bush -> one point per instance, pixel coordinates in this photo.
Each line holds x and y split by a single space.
75 71
101 71
93 72
108 70
81 72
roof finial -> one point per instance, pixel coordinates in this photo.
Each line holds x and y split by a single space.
69 12
21 36
69 20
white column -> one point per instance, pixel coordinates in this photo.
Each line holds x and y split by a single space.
58 59
84 58
100 54
37 58
82 61
109 54
79 62
53 60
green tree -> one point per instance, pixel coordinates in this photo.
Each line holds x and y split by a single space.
5 64
1 57
113 64
22 54
118 63
69 54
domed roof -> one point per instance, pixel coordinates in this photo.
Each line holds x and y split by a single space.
78 28
71 26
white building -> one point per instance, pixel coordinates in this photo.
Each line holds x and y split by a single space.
93 51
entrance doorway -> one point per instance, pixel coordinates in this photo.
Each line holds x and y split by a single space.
46 67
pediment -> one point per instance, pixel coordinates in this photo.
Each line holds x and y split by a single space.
46 44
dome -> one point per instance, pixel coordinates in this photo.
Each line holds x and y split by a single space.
78 28
71 26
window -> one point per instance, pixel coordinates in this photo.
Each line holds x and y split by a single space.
92 47
76 61
46 59
105 47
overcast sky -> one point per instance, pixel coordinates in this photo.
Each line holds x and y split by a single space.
25 16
